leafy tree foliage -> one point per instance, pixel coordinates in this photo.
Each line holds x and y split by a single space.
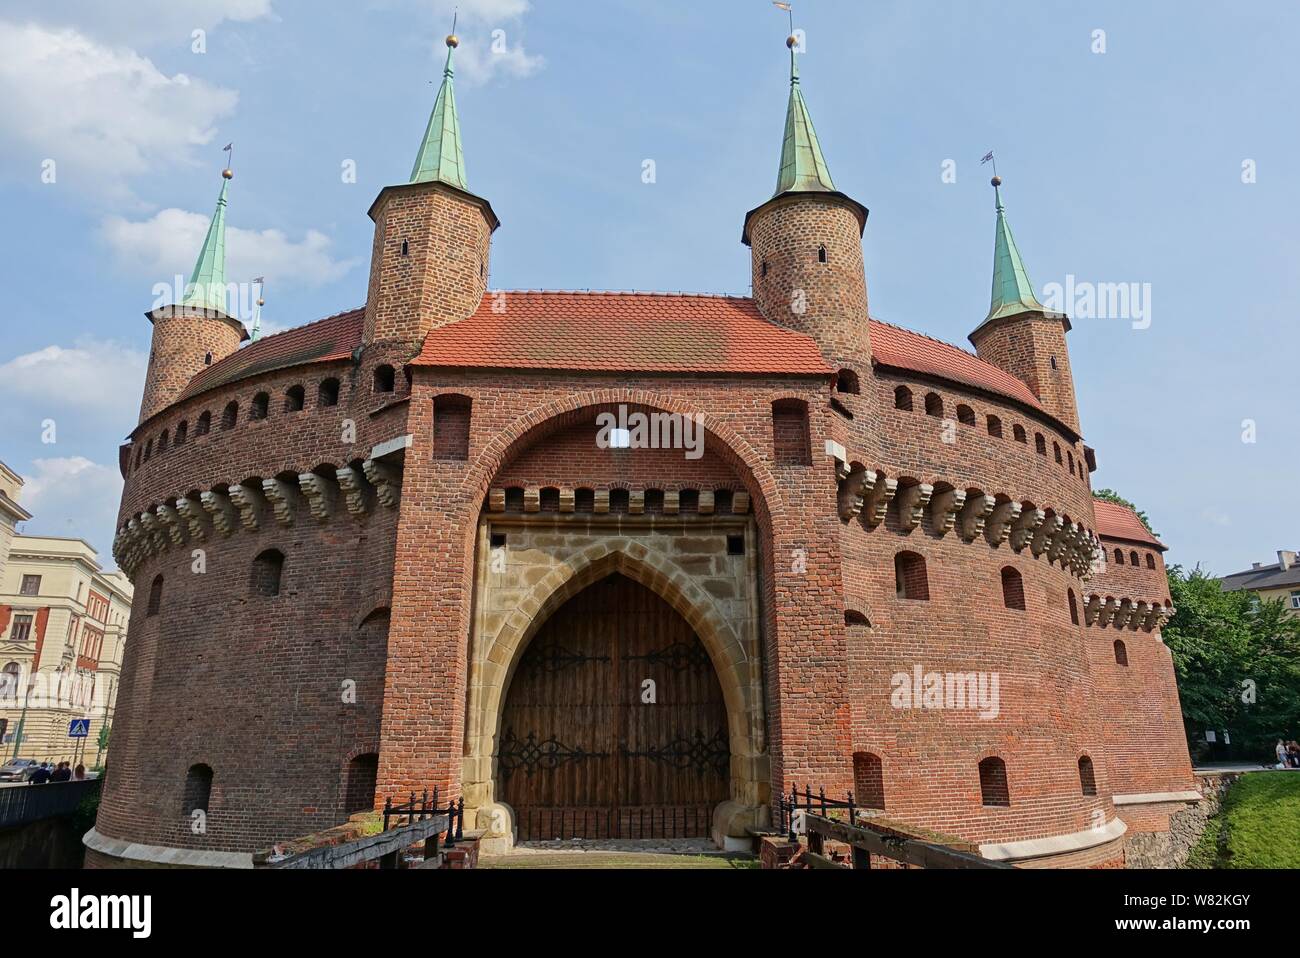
1238 665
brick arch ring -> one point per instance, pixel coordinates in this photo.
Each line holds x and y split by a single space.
739 672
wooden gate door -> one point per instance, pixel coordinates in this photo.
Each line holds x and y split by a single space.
614 724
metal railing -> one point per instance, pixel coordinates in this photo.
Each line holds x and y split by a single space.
22 804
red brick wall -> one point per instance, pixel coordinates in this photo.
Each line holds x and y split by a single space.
1025 347
181 340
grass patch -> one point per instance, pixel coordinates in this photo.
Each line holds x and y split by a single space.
1258 826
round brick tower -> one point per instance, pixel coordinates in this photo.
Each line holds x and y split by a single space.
806 243
199 330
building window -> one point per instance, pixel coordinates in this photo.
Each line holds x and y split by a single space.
230 416
790 441
1018 433
1056 452
1295 600
966 415
903 399
204 425
155 596
148 450
1040 444
735 545
1133 558
847 382
1074 607
385 379
1119 557
182 432
995 427
1151 561
934 405
1069 456
359 792
295 397
451 427
260 408
22 628
994 792
821 254
1013 589
207 359
329 393
31 585
268 567
1121 653
1053 360
910 580
10 679
1087 780
868 780
162 442
198 790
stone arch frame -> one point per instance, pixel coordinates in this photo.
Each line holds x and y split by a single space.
739 674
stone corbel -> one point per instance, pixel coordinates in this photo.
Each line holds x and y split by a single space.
876 502
191 510
740 503
636 502
532 499
1044 536
944 507
1091 610
600 504
1060 543
1107 612
568 500
222 511
1166 613
852 489
707 502
356 492
1138 619
281 497
672 503
1024 529
154 530
837 454
974 515
912 503
321 494
1125 611
249 500
496 500
1000 522
388 482
172 522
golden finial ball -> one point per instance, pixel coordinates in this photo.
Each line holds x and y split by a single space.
996 181
228 174
261 301
792 41
453 41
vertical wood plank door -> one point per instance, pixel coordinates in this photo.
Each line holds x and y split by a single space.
614 724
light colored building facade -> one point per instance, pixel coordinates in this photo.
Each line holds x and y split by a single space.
11 513
63 623
1276 581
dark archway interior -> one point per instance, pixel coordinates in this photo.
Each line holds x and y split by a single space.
614 724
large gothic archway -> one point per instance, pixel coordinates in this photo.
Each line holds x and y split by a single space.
614 725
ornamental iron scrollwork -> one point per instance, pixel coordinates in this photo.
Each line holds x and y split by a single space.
698 753
680 657
552 657
529 755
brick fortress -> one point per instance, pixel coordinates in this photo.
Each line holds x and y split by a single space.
388 551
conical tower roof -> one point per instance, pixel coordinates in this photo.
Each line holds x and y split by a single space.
441 159
803 165
207 286
1013 293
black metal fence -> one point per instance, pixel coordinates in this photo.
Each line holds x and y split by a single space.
597 823
22 804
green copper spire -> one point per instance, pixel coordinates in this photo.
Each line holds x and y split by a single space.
1012 292
207 286
803 167
440 158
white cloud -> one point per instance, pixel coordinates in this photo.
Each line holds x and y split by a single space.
73 497
92 378
102 114
166 245
481 61
492 46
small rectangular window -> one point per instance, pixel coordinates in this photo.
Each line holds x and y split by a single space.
22 628
735 545
498 540
1295 600
31 585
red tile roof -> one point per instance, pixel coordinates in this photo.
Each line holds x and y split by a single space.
324 340
894 346
621 332
1120 522
616 332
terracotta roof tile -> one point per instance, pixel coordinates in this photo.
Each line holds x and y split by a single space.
324 340
1119 522
621 332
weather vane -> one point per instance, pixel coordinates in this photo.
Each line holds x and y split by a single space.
229 150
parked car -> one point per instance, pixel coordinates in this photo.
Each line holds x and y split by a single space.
18 770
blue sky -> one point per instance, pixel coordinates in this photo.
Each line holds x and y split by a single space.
1123 166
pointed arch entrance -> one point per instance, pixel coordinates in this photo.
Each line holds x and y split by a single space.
614 723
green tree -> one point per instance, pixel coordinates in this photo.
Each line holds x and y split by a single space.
1238 664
